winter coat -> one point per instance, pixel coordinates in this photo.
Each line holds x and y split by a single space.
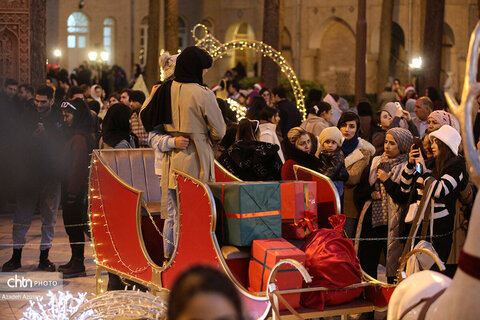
252 160
315 124
396 211
332 164
289 116
268 134
355 162
195 114
76 159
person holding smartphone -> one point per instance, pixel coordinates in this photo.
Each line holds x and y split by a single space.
392 116
450 174
383 214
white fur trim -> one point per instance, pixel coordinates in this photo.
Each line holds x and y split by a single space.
353 157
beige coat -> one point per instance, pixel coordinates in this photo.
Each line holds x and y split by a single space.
195 114
315 124
355 163
268 134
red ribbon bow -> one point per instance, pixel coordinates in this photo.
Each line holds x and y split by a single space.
307 222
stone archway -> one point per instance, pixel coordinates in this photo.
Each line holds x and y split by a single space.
218 50
335 61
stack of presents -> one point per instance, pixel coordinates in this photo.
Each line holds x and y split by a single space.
266 219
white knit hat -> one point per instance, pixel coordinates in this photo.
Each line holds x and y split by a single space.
332 133
449 136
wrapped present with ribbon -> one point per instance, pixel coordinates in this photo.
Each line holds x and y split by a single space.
248 211
265 255
299 209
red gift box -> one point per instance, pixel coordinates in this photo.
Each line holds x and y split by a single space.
265 255
299 209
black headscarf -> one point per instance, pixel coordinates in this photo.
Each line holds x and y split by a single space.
188 69
116 124
301 157
190 65
159 109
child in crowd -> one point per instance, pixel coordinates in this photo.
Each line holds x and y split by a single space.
332 161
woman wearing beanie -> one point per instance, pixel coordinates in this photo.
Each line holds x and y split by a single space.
300 148
450 174
318 118
332 161
358 153
76 159
384 213
392 116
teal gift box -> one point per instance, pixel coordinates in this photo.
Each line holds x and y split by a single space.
247 211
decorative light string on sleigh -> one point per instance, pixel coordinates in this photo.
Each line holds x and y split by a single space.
353 239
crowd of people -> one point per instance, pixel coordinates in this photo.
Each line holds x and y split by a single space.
49 135
379 162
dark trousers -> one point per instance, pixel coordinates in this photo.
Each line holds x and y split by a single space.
369 251
74 219
443 245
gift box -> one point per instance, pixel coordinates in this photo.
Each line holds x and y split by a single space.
299 209
247 211
265 255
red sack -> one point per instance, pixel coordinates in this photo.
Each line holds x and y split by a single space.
332 262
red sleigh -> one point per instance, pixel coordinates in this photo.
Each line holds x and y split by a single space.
124 203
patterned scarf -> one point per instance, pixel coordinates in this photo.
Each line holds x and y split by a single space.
381 208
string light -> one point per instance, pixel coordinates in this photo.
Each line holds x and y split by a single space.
61 306
217 50
126 304
97 191
241 110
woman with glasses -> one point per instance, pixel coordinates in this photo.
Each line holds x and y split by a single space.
75 159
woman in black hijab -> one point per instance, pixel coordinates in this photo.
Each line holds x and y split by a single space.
185 107
117 133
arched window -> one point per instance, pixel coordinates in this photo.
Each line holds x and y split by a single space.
77 27
142 55
109 37
182 34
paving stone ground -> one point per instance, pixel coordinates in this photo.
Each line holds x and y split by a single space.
59 254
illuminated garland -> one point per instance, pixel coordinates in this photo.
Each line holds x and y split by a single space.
104 216
115 304
241 110
120 304
60 306
217 50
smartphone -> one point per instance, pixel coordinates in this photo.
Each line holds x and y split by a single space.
399 105
418 145
418 168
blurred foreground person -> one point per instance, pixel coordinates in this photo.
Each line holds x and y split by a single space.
204 293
